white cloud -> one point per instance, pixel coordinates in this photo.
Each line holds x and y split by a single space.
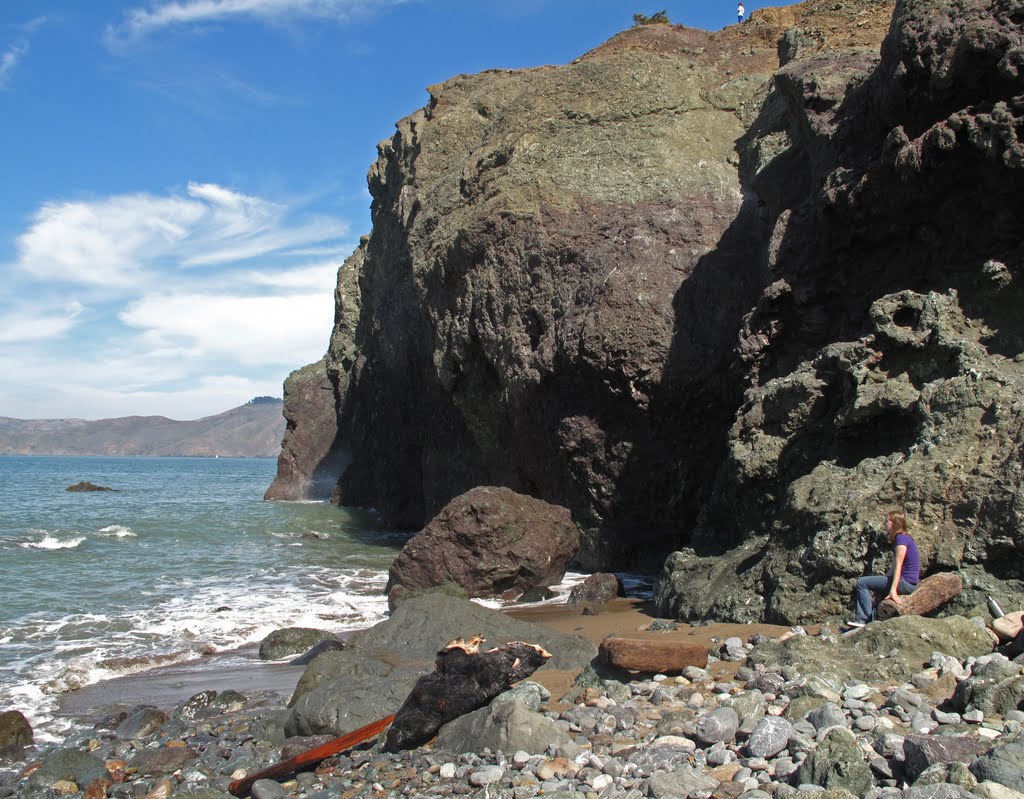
312 277
184 304
21 325
254 331
9 60
141 22
17 50
124 240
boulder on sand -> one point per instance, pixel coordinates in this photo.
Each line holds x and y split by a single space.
15 731
288 641
597 588
342 691
492 542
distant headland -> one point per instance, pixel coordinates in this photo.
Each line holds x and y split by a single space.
252 430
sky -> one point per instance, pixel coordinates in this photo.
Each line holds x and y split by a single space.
181 179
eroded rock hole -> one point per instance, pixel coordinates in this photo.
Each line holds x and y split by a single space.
906 317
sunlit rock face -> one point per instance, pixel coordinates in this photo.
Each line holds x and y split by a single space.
731 295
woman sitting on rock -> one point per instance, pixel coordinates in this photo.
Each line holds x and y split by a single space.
901 578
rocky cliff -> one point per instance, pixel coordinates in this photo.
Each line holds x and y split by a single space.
730 294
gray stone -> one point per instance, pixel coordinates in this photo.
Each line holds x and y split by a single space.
341 691
750 707
828 715
923 751
938 791
1002 764
288 641
769 737
720 724
141 724
995 790
837 763
995 686
953 773
652 759
161 761
488 775
528 693
506 726
866 723
15 730
71 765
679 784
268 789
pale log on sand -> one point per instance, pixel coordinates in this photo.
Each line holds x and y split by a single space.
932 594
645 655
463 680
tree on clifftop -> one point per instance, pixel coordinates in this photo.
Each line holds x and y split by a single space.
657 18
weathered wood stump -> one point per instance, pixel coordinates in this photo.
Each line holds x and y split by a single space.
463 680
659 657
932 594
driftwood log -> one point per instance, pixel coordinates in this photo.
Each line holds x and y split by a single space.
464 679
659 657
311 757
932 594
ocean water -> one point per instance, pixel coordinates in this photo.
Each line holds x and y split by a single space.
182 560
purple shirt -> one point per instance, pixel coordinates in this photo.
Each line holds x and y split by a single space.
911 572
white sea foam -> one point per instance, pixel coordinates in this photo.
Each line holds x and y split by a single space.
52 542
117 531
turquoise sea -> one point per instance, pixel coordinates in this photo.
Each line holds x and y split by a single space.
182 560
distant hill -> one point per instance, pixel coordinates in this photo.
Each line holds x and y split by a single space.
253 430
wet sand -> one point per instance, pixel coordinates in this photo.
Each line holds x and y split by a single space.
167 686
629 618
242 670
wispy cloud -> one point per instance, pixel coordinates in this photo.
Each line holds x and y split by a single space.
19 325
138 23
17 50
183 304
251 330
124 240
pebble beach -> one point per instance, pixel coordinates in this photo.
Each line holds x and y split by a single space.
741 727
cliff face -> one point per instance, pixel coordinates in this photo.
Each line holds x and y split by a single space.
708 301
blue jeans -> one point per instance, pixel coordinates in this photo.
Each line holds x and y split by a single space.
867 587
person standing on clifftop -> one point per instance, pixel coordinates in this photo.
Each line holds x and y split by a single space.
740 11
902 577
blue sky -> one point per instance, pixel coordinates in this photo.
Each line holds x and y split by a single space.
182 179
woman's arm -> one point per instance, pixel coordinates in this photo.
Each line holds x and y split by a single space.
897 570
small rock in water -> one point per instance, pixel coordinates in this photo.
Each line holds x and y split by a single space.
85 485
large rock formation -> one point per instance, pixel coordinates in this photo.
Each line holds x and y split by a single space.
732 294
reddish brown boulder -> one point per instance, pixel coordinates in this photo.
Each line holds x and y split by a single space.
597 588
492 542
932 594
658 657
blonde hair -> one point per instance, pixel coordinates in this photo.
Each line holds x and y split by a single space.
899 522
